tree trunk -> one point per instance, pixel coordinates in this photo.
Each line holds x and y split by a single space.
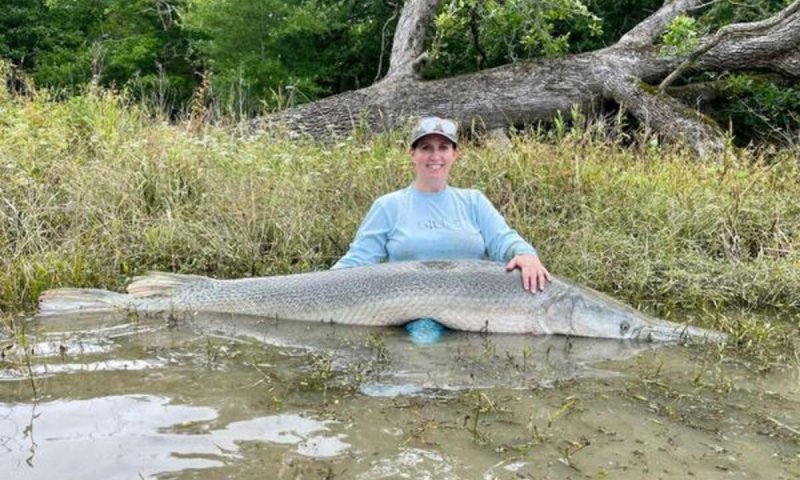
538 90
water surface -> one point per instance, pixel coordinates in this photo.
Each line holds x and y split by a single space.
232 397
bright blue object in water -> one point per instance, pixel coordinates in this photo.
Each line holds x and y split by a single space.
425 330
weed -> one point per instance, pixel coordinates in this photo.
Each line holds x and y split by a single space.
377 342
27 351
322 374
660 231
481 405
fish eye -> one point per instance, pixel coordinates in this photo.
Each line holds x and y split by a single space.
624 327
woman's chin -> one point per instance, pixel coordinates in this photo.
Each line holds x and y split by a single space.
429 184
435 176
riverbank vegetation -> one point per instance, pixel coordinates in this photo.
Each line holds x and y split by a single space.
95 190
245 56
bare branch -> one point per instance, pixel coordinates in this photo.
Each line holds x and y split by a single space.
409 38
729 31
474 20
383 44
653 26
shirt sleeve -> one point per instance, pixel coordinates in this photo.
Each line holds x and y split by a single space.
502 242
369 245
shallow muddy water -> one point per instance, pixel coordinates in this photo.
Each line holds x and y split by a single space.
232 397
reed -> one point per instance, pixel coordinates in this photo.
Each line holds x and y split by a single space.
95 190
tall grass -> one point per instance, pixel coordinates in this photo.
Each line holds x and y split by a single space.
93 191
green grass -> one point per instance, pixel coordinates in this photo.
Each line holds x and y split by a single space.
94 190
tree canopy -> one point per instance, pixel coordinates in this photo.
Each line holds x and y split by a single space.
266 55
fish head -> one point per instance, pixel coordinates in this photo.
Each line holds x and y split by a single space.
608 318
594 314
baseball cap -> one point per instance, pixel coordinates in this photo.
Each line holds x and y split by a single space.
435 125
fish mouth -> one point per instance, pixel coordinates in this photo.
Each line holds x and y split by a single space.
678 333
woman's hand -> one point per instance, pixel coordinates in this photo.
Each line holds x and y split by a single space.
534 275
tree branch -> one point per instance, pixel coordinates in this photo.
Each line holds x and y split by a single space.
409 38
725 32
666 116
474 19
383 44
646 32
537 90
704 92
774 51
788 64
514 94
699 93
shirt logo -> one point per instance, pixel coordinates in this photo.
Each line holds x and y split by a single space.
433 224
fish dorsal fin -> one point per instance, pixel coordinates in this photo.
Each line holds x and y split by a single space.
160 284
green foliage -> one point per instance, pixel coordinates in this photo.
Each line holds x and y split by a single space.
132 44
757 108
724 13
254 53
229 58
24 31
259 51
473 34
252 46
618 16
763 110
681 37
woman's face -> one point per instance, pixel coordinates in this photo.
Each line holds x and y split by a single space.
432 157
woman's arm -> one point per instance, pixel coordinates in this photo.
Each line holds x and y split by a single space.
504 244
369 245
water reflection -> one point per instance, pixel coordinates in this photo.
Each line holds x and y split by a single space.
396 366
47 369
141 435
470 406
460 361
416 463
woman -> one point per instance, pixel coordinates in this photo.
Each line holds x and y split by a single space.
430 220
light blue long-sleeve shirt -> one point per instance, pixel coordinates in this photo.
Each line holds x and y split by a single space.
454 223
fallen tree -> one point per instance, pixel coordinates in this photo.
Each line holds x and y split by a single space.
632 73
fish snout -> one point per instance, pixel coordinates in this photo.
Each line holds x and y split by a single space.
677 333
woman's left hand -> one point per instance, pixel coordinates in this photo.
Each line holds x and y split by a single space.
534 275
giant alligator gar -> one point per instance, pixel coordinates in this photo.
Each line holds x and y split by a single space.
477 296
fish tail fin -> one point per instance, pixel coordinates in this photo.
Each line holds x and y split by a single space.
161 284
65 301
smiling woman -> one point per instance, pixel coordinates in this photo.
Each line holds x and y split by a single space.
430 220
434 149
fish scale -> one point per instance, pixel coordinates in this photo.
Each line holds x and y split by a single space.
477 296
463 296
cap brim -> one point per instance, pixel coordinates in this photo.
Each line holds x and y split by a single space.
417 138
